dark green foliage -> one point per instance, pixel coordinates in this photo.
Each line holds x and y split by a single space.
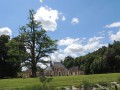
5 67
69 62
3 50
11 56
103 60
37 42
96 65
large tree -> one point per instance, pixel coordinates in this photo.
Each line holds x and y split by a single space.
37 42
3 56
11 55
69 62
16 52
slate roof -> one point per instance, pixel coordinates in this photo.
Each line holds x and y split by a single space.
49 69
75 69
58 64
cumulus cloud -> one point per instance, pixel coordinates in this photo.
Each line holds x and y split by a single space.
93 44
77 47
115 24
57 56
94 39
74 48
48 18
115 37
5 31
67 41
75 21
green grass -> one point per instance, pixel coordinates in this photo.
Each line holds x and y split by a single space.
59 81
77 80
18 83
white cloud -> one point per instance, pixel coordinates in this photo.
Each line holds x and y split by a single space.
48 18
94 39
5 31
80 48
68 41
41 1
76 47
92 46
94 43
75 21
115 37
58 56
115 24
63 18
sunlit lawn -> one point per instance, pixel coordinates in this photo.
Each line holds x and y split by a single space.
59 81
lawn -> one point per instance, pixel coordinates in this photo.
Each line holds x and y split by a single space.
59 81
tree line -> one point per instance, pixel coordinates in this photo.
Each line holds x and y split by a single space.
103 60
27 49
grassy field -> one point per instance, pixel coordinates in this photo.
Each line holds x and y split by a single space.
59 81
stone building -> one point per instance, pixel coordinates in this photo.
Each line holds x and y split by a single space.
58 69
76 71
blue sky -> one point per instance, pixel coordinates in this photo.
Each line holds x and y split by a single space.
80 26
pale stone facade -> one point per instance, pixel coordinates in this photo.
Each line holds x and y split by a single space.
76 71
58 69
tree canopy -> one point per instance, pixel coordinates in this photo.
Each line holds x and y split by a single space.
11 56
37 42
103 60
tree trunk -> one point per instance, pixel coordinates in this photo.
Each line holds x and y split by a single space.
34 70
